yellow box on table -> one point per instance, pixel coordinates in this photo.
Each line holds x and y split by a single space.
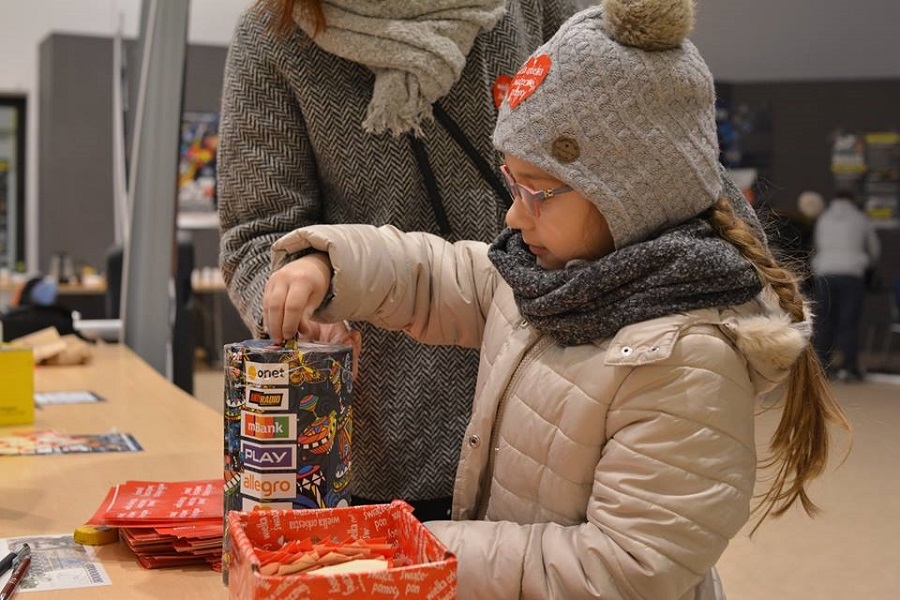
16 385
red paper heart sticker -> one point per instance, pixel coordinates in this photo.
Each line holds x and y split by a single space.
528 79
500 89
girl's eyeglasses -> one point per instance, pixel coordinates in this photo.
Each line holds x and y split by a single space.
531 198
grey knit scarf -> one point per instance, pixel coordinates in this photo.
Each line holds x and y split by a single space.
417 50
685 268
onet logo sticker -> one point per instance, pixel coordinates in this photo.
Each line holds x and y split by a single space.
268 427
267 373
267 399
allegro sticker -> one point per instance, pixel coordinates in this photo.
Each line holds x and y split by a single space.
529 77
269 486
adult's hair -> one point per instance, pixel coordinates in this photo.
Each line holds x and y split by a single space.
799 446
283 11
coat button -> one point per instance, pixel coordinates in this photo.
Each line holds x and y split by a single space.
474 441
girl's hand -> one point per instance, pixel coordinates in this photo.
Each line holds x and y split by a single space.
292 293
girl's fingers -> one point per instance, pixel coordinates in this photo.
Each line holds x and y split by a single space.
273 308
295 309
292 294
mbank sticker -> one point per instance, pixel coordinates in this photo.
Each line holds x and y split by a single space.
268 427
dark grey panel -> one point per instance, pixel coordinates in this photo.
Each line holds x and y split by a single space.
75 213
75 149
804 115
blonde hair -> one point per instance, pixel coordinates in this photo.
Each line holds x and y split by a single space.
799 446
283 10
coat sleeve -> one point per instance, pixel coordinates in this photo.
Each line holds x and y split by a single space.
673 485
438 292
267 184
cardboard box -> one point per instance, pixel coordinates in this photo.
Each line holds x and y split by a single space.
287 427
432 574
17 394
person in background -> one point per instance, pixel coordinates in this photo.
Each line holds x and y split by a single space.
352 111
846 244
628 319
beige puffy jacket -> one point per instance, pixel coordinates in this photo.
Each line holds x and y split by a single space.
616 469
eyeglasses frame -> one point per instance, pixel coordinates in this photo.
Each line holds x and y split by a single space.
532 199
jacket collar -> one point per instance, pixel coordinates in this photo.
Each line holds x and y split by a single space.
760 329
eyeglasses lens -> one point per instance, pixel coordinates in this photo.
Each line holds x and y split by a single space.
519 191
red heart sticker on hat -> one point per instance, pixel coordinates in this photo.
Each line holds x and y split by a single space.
501 89
528 79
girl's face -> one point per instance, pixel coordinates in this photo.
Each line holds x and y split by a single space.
566 227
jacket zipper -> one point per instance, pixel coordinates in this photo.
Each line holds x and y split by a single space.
530 356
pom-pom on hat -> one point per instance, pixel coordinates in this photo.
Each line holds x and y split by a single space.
621 106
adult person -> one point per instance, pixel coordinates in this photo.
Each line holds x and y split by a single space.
846 244
352 111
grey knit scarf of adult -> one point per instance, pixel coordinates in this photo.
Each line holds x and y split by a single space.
685 268
417 50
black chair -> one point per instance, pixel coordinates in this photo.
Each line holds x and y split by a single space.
183 330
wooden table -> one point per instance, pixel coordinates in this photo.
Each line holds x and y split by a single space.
54 494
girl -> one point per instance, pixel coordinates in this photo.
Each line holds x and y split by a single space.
628 319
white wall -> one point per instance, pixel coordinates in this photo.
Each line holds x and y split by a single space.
25 23
763 40
788 40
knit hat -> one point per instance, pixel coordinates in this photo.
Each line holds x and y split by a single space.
620 106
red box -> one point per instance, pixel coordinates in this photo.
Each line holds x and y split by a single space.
432 574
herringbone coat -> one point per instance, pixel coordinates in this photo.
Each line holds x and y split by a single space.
293 152
617 469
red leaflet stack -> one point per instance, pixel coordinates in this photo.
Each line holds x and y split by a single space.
167 523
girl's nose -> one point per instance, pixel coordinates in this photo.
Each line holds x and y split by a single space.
518 216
